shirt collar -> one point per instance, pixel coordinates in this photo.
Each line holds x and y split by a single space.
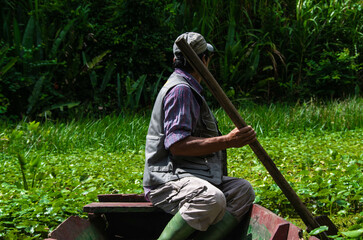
190 79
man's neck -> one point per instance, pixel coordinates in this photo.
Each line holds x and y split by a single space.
196 76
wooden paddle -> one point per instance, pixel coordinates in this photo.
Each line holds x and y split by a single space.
236 118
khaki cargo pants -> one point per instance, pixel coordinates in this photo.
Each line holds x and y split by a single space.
202 204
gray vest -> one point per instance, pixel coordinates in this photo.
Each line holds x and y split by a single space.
160 165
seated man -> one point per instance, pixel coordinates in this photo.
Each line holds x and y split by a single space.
185 166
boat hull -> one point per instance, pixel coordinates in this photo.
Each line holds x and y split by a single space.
131 217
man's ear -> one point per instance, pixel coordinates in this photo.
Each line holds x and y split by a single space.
204 60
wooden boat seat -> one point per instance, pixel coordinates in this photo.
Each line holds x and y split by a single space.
129 216
120 203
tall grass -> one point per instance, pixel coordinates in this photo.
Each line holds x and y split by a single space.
126 132
114 133
282 118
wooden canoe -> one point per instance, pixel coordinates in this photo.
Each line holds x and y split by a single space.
130 216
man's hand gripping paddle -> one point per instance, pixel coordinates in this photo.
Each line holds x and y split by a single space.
232 112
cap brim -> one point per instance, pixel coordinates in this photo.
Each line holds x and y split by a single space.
210 48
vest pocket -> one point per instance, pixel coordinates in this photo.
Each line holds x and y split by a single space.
167 168
192 166
195 172
191 162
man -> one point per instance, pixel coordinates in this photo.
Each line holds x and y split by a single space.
185 166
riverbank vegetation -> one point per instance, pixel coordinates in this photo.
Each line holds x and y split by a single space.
51 169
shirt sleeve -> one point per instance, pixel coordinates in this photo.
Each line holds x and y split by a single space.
181 114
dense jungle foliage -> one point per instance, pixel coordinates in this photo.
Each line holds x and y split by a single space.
103 56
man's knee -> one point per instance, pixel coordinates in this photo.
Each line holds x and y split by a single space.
215 198
205 209
240 196
242 189
247 189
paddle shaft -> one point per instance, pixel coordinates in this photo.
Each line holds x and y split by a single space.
236 118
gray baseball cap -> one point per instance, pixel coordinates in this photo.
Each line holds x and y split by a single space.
196 41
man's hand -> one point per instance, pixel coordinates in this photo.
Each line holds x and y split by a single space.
193 146
241 137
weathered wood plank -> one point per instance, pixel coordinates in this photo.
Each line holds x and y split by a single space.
120 207
75 228
121 198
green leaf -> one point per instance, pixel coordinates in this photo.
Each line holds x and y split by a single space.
107 78
61 106
17 37
354 234
156 87
140 84
34 164
22 163
118 90
33 99
60 38
8 66
319 230
29 34
93 77
92 189
96 60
